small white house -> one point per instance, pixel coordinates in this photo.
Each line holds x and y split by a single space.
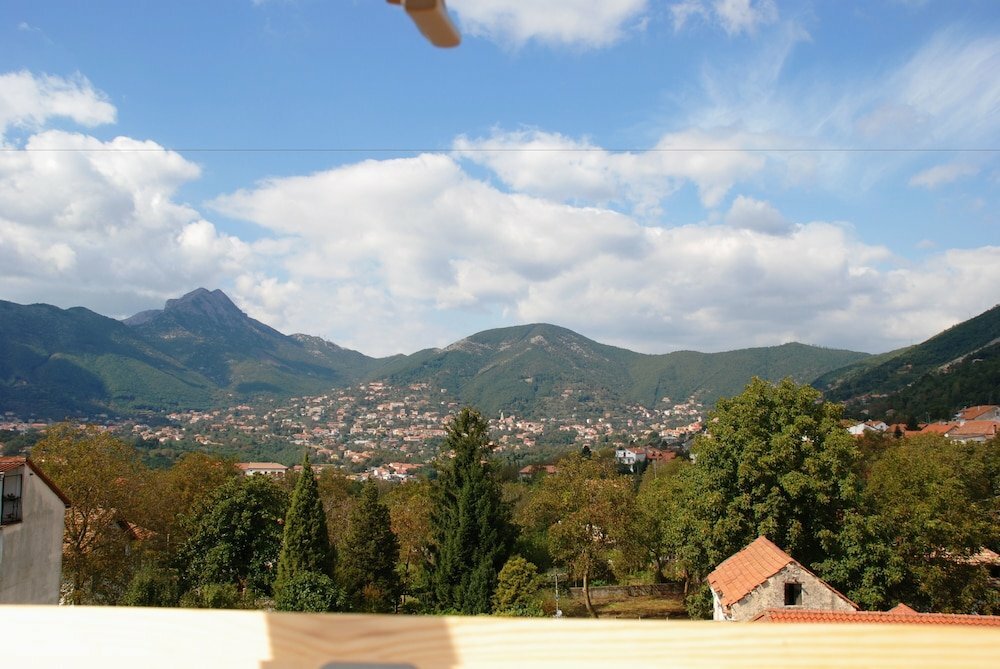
629 457
32 518
273 469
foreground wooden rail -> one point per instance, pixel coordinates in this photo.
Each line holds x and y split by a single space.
36 636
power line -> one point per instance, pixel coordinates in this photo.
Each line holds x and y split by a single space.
106 149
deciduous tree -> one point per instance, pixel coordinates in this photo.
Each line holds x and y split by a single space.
236 538
775 462
586 507
103 478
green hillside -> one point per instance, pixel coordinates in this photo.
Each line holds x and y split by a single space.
529 368
56 362
206 332
904 368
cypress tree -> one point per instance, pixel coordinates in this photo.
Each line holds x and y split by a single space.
368 556
306 544
471 527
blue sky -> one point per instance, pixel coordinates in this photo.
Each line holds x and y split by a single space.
660 175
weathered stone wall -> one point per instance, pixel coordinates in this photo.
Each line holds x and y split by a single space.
771 595
606 592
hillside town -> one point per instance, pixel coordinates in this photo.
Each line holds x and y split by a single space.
387 432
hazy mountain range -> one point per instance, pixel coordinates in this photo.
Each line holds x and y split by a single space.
201 350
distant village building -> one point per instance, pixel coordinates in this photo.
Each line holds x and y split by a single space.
32 521
528 472
762 577
273 469
989 412
630 458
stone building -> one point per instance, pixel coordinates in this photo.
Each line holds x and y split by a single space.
762 577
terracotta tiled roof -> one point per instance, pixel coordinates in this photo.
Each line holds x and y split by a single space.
975 428
902 608
8 463
972 413
889 617
738 575
939 428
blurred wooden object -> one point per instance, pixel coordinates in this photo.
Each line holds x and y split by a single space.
38 636
431 17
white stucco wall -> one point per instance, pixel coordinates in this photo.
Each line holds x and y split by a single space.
31 550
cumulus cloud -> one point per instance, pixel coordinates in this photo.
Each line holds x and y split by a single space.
564 23
943 174
750 214
398 251
111 234
28 100
554 166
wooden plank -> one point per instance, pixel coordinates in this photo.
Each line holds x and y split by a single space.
149 638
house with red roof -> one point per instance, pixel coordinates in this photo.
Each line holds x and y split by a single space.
32 519
982 412
762 577
975 430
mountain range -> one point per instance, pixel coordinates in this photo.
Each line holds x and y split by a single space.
201 350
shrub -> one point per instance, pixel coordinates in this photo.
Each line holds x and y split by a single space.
308 591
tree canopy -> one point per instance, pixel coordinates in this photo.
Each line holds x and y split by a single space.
305 545
775 462
104 479
368 556
237 537
585 508
471 531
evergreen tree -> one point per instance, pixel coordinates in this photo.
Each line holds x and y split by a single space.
471 528
305 546
368 556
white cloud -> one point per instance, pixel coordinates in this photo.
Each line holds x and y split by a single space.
744 16
554 166
943 174
110 234
750 214
682 12
566 22
27 100
735 17
399 254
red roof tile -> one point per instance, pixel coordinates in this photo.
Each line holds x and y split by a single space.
739 574
902 608
939 428
976 428
888 617
972 413
8 463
